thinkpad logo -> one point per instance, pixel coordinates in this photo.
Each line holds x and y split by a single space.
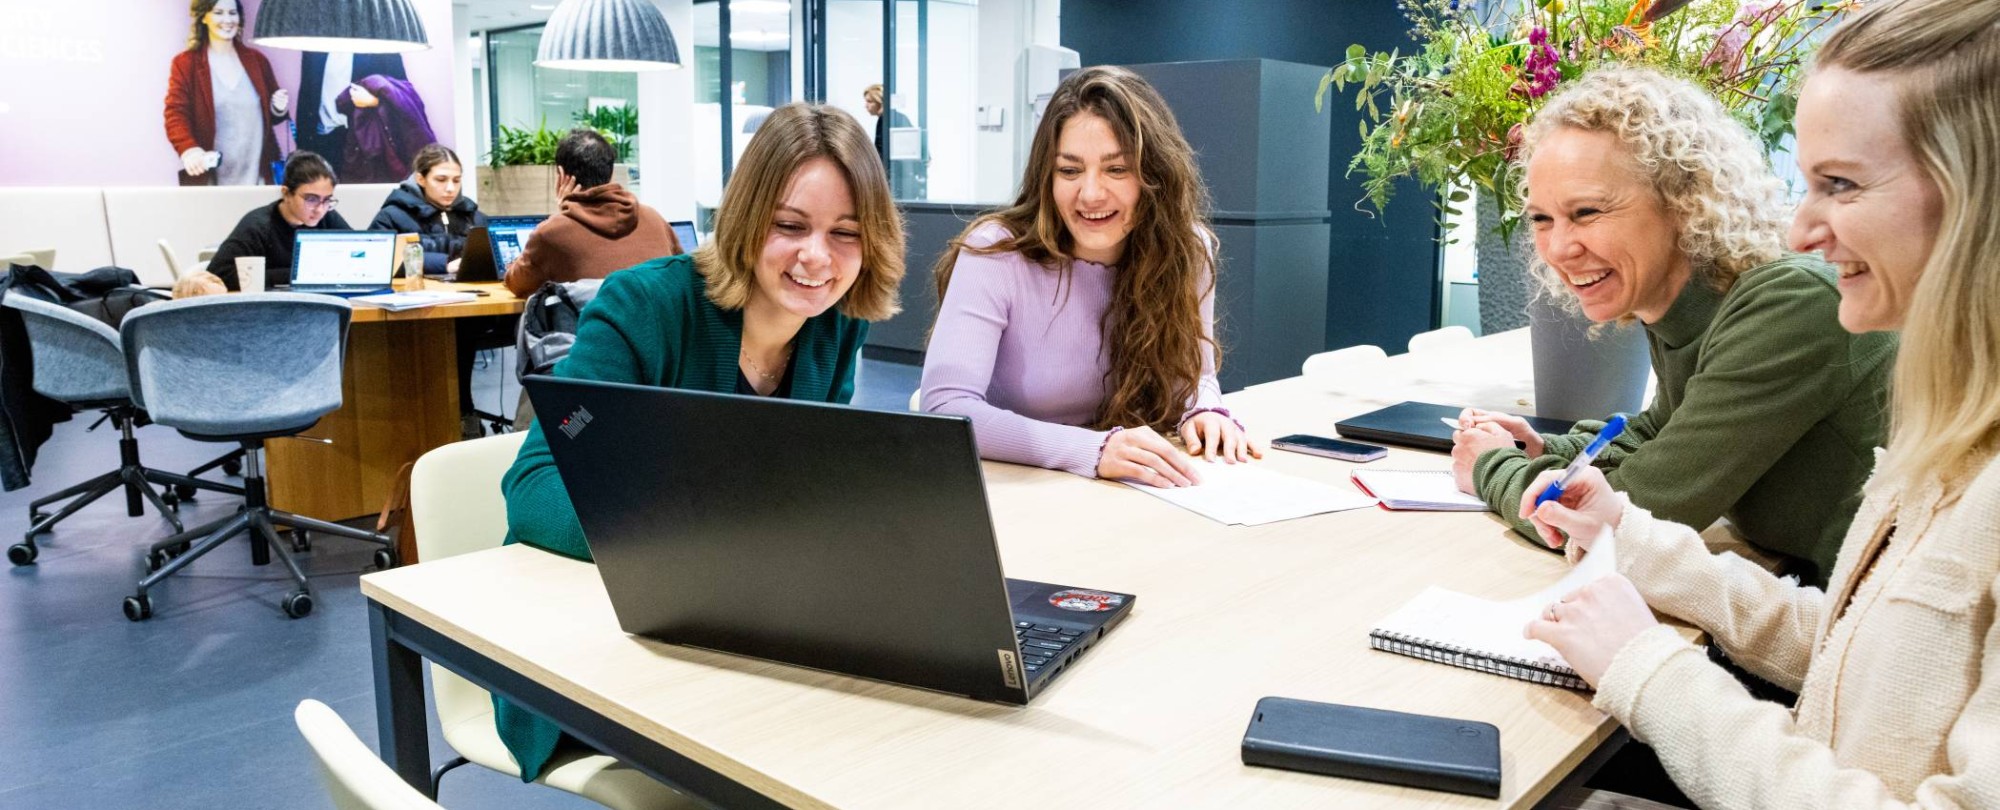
575 422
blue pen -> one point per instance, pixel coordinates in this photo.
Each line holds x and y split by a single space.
1612 427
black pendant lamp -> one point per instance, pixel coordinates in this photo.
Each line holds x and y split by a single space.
341 26
612 35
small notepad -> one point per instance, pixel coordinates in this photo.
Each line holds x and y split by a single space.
1453 628
1418 490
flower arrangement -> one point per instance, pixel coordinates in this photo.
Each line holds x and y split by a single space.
1450 113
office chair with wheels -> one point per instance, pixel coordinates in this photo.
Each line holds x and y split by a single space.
78 361
355 778
240 369
456 508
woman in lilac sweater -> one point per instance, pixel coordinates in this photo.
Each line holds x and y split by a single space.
1077 327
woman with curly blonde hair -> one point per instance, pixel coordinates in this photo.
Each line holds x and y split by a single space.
1076 327
1649 203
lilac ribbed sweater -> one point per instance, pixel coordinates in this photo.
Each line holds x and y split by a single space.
1023 355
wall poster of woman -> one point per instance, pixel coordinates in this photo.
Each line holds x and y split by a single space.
223 101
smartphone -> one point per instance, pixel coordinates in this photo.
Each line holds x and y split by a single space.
1355 742
1330 448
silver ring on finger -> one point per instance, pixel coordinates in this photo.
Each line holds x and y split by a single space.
1551 612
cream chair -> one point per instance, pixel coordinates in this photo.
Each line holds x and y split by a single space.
355 778
456 508
1438 338
917 400
173 262
1342 362
44 258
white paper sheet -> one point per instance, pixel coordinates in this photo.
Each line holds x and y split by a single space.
1251 494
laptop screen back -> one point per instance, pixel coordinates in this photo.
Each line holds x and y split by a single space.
343 258
510 236
684 231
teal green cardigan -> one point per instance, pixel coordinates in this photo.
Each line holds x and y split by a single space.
653 325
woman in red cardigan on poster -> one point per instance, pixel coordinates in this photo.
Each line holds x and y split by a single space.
222 101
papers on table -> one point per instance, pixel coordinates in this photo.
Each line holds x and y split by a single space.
397 302
1251 494
1419 490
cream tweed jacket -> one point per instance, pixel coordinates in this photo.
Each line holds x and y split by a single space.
1896 707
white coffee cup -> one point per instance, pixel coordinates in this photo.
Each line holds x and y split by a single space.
250 273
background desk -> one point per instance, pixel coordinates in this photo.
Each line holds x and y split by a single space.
1151 717
399 399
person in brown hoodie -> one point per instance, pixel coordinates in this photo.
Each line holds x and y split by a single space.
599 227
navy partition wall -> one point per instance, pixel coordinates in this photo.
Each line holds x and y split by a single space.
1382 271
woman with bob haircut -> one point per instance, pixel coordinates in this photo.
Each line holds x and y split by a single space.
1899 143
305 203
808 249
1077 326
1649 203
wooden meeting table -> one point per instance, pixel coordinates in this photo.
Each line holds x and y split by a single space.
1152 716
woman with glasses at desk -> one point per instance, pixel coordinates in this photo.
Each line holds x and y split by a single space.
808 249
1076 328
1898 702
305 202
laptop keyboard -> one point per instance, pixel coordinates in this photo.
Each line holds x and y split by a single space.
1042 643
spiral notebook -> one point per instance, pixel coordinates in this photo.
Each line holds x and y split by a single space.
1417 490
1461 630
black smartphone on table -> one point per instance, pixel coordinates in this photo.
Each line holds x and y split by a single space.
1355 742
1330 448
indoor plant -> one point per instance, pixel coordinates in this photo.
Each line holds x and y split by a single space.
1449 114
522 174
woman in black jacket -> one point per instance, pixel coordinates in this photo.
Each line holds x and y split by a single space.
432 207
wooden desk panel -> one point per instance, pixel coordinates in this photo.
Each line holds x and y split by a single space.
1151 717
399 395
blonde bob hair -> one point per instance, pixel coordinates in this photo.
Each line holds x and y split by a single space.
1944 57
1704 167
791 136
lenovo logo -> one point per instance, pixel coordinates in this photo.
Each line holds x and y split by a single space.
1010 669
575 422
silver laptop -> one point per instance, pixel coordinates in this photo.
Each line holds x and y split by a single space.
343 262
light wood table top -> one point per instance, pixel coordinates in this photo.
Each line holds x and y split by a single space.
1153 716
497 301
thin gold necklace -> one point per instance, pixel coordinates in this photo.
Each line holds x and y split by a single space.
758 370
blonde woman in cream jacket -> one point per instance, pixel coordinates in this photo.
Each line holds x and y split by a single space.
1900 147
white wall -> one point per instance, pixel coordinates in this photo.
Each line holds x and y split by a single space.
464 124
666 108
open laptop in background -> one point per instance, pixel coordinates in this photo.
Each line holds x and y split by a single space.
343 262
836 538
688 236
490 248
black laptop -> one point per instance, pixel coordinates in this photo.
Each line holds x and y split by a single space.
1415 424
830 537
490 248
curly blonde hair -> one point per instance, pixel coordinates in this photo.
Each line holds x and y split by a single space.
1707 169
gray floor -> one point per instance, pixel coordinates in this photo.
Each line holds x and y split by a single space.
193 709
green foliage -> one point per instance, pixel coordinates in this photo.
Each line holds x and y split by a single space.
1447 114
619 125
518 146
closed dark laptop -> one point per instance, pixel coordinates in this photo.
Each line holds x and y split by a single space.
1415 424
842 539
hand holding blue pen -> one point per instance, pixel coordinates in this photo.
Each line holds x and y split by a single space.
1612 427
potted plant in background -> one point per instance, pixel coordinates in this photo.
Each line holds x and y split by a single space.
521 178
1449 114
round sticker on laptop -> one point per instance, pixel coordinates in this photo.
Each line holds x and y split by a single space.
1086 601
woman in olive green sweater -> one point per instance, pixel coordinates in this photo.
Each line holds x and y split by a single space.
1648 202
808 248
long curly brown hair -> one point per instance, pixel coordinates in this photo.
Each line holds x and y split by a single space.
1153 327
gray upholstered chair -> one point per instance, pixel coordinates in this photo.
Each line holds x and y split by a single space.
242 369
78 362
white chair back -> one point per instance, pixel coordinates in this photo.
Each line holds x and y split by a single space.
1342 362
173 262
355 778
1438 338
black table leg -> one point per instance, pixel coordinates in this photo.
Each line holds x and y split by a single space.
399 703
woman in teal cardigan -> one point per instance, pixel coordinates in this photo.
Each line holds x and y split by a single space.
808 249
